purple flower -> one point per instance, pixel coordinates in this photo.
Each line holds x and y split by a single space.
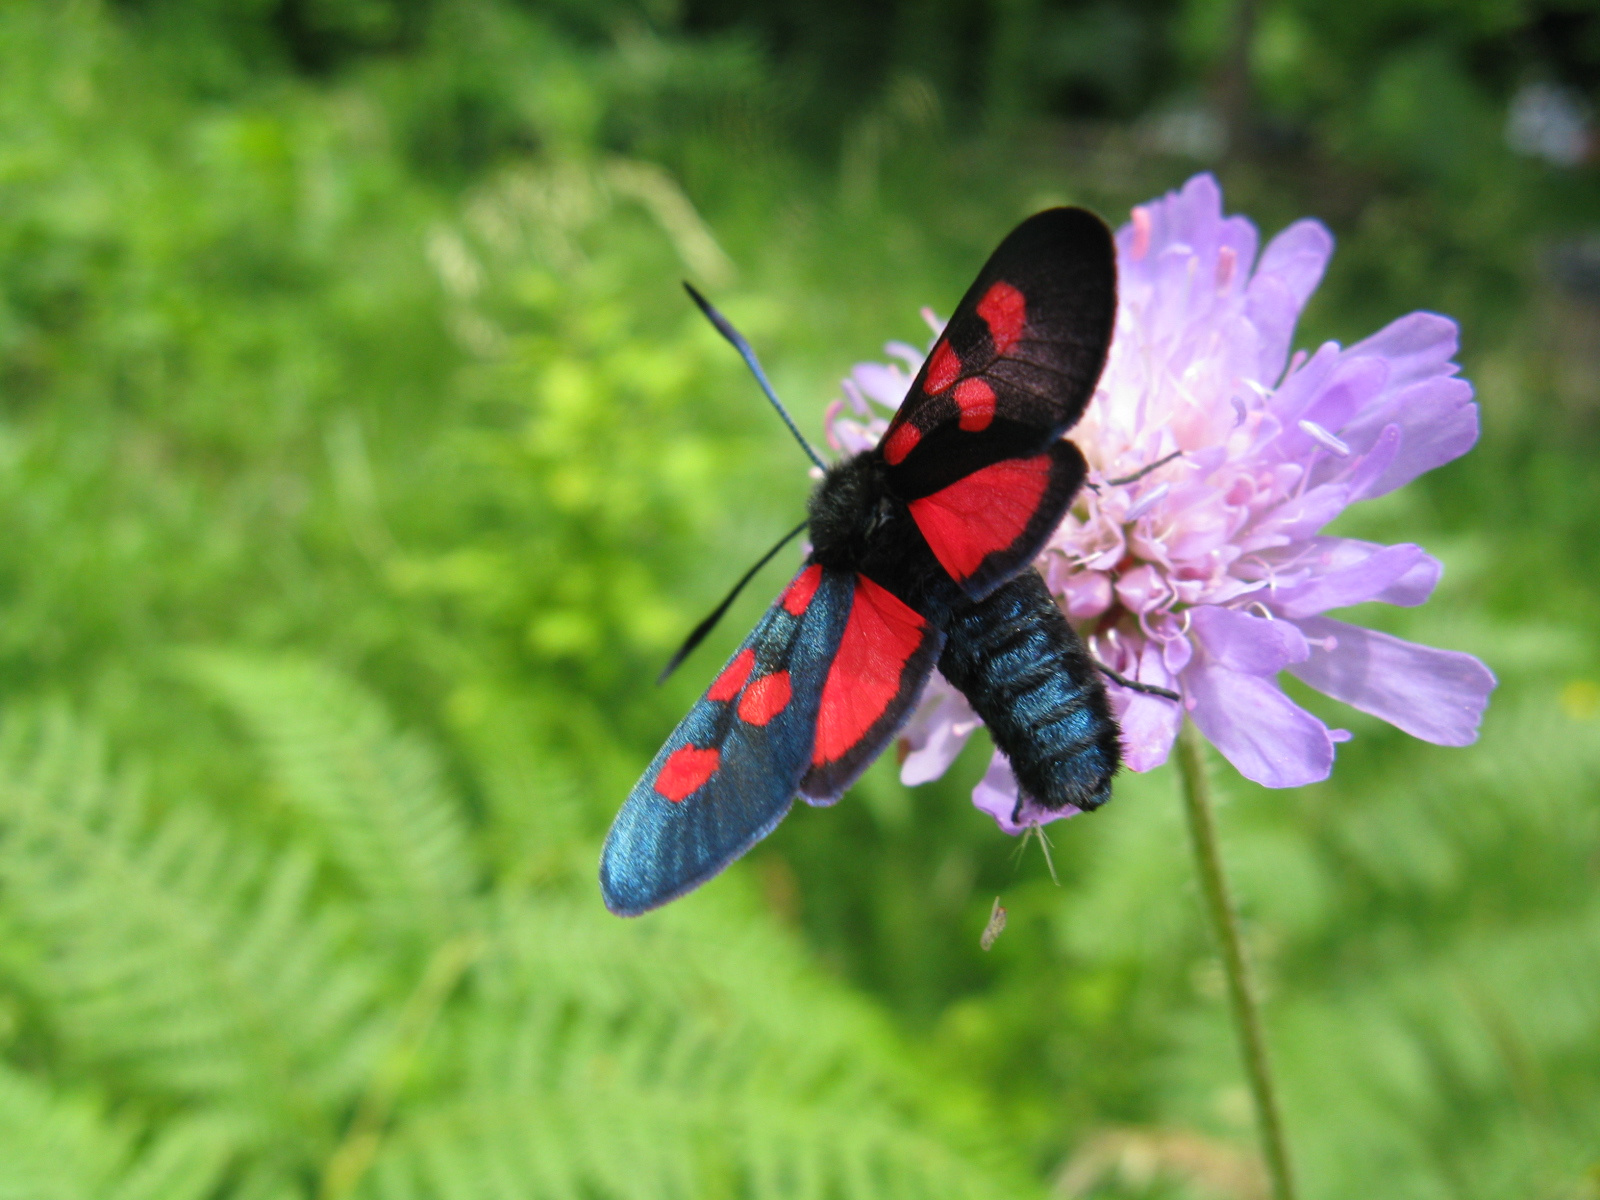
1210 574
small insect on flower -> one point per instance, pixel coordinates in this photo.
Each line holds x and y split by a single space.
921 553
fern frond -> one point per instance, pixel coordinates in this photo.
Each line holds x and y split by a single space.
54 1147
163 952
684 1057
377 797
626 1139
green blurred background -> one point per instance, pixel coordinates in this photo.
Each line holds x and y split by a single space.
361 461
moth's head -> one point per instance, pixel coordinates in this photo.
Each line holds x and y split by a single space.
846 508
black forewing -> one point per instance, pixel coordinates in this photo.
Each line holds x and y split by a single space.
661 847
1032 332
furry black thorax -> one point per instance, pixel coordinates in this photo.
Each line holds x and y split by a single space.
848 510
857 523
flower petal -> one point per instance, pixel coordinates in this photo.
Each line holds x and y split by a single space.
1085 593
1291 267
996 794
1329 555
1149 724
1415 586
1265 735
1436 695
1417 346
1406 569
1302 385
1438 422
1239 641
1187 217
1236 253
1366 467
1142 589
936 733
1348 391
851 436
1297 257
887 385
1230 693
1297 518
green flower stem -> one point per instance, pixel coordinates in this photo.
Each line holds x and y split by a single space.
1241 990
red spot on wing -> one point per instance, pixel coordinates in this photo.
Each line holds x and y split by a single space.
686 770
902 440
765 698
982 513
881 634
1005 312
975 398
943 367
805 585
726 685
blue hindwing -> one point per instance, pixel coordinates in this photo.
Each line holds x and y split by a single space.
729 772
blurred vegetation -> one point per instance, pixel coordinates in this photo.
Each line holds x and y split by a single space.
360 462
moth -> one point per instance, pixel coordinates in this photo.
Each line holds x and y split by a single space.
921 552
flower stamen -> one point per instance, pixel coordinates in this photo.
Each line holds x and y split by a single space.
1326 439
1148 501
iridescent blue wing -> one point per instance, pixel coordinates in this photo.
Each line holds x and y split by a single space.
730 770
812 697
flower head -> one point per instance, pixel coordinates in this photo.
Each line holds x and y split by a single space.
1209 574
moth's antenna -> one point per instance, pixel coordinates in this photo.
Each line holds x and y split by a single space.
749 356
698 633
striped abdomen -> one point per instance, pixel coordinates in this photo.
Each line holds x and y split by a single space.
1026 673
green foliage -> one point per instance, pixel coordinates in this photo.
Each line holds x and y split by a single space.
376 798
64 1148
168 954
276 1022
360 462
